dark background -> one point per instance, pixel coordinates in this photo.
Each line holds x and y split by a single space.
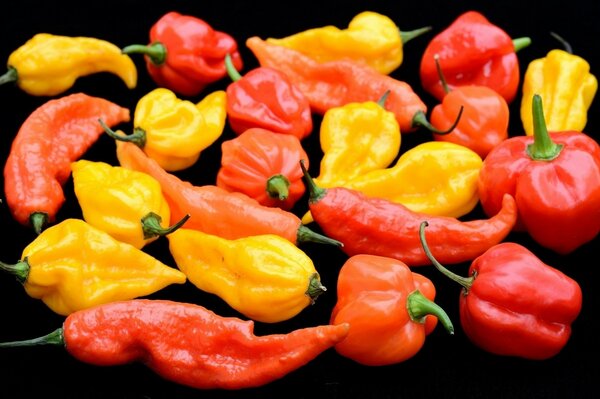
447 366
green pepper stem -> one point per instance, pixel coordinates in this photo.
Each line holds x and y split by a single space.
383 99
233 73
562 41
56 337
315 192
305 234
436 58
520 43
20 269
11 75
406 36
278 187
466 282
156 52
152 228
315 288
419 119
419 306
542 148
138 137
38 221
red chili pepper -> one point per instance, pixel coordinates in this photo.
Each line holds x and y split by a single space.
555 179
513 304
376 226
39 163
186 54
380 297
263 165
265 98
473 52
186 343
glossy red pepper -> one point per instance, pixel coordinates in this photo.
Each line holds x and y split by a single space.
473 51
513 304
186 54
555 179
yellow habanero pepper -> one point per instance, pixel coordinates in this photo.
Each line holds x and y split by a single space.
72 266
174 132
264 277
47 65
566 86
371 38
127 204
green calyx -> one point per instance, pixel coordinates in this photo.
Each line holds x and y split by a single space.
138 137
20 269
152 228
56 337
38 221
542 148
233 73
420 119
520 43
156 52
278 187
315 288
11 75
406 36
419 306
315 193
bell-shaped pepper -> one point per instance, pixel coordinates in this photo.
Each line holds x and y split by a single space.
555 180
174 132
265 98
264 277
72 266
263 165
371 39
566 86
381 297
513 304
186 54
48 65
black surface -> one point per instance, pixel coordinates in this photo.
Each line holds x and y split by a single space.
447 366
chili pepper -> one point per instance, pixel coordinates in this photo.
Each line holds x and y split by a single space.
265 98
48 65
371 38
473 51
264 277
566 86
72 266
380 297
216 211
263 165
185 53
513 304
174 132
187 343
39 163
555 180
124 203
376 226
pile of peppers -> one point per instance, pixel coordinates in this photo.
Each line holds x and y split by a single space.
389 206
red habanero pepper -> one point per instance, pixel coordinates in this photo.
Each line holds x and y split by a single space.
263 165
55 134
513 304
380 297
376 226
474 52
265 98
186 54
555 180
187 343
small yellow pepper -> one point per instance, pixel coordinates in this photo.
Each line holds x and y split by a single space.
72 266
174 132
264 277
566 86
47 65
371 38
127 204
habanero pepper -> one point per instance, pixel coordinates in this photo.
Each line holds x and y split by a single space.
187 343
513 304
555 180
57 133
73 266
186 54
381 297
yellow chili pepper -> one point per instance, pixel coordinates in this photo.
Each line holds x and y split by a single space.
371 38
127 204
264 277
566 86
174 132
73 265
47 65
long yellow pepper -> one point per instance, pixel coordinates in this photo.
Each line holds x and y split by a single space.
47 65
72 266
264 277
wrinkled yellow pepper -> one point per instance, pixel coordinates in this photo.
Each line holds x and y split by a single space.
47 65
73 265
127 204
371 39
264 277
